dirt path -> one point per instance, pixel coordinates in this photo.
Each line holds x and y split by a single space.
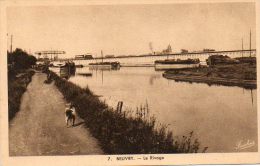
39 127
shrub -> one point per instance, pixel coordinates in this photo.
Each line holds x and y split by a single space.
20 59
16 88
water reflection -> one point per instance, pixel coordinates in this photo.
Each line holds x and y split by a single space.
153 78
220 116
252 96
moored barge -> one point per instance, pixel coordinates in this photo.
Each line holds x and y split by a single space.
176 64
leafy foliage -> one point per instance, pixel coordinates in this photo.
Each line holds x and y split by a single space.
20 59
16 88
19 76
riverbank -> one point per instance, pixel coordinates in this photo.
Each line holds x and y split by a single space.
241 75
121 133
20 74
17 85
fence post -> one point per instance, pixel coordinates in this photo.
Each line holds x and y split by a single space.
119 107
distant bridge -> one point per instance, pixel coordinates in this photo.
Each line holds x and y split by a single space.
148 60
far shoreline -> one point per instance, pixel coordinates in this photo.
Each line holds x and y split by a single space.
247 84
244 75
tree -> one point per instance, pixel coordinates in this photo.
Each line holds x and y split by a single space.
21 59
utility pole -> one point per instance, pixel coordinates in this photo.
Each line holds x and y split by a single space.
102 55
242 47
11 47
250 43
151 47
7 41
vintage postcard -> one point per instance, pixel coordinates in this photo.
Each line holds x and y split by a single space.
129 82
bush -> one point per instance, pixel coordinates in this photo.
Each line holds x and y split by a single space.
20 59
16 88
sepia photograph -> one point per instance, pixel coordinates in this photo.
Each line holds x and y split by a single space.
130 81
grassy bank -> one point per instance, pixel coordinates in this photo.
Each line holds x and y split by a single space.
17 83
119 133
19 76
242 75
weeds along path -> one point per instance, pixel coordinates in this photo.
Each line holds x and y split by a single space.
39 127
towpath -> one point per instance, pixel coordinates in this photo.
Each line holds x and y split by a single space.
39 127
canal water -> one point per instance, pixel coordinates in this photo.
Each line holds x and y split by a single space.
224 119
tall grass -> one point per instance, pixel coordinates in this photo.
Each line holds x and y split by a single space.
123 132
16 88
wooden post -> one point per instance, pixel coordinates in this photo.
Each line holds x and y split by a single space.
119 107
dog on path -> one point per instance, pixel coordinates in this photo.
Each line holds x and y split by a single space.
70 115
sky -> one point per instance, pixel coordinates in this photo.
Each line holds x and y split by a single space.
128 29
